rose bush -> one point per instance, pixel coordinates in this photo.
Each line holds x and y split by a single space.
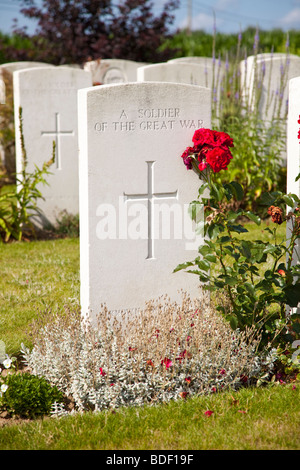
248 272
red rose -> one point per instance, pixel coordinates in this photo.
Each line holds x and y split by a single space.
212 138
186 157
218 159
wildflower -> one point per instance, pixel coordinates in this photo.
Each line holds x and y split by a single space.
183 394
4 387
188 380
242 411
102 372
7 363
150 363
167 362
213 389
276 214
208 413
222 372
132 349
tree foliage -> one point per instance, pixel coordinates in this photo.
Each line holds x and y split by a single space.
72 31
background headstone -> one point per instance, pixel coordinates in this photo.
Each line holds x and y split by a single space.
14 66
48 98
111 71
7 141
270 74
211 72
293 152
131 138
190 73
2 89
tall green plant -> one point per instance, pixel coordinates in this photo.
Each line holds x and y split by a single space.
258 162
17 207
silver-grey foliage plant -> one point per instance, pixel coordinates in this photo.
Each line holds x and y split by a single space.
167 352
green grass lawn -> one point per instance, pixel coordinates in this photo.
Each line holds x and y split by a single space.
35 276
251 419
42 275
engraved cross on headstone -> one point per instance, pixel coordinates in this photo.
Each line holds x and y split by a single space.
150 197
57 134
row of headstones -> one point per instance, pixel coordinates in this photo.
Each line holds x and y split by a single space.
132 183
48 98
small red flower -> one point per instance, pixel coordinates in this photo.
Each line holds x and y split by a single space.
102 372
183 394
150 363
202 166
188 380
222 372
208 413
281 272
167 362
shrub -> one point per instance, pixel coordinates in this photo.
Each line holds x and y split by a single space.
167 351
28 396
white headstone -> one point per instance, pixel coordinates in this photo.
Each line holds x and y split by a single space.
2 89
293 151
48 98
269 74
111 71
8 154
208 61
132 180
211 71
190 73
14 66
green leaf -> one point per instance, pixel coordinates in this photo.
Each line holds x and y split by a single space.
233 322
237 189
183 266
288 200
230 281
292 295
253 217
204 265
204 250
211 258
237 228
195 209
